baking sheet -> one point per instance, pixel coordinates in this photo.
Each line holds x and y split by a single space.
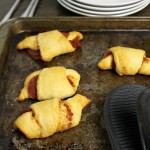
99 35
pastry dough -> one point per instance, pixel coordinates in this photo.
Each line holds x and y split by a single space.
126 61
53 82
51 43
51 116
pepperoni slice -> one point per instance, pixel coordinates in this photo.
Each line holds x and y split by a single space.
32 87
26 110
66 34
69 77
75 43
69 115
107 53
34 54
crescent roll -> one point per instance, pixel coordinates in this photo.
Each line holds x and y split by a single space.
47 117
126 61
48 83
51 44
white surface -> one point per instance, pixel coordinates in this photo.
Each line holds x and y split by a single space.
120 14
101 8
107 2
103 12
135 11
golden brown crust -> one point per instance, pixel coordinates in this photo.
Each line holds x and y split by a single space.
51 44
145 68
51 116
107 61
28 125
53 82
128 61
24 92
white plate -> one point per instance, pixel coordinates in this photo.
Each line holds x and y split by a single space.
102 12
107 2
103 15
99 8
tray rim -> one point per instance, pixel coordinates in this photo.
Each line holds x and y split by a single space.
8 24
124 19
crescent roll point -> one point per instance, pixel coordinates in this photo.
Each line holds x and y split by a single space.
126 61
52 43
50 116
53 82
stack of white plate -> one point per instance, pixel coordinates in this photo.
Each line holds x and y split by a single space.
104 8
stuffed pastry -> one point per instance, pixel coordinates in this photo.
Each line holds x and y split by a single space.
126 61
48 45
53 82
47 117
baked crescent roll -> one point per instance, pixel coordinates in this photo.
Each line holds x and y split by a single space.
51 43
126 61
45 118
53 82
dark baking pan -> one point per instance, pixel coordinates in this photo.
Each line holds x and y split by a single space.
143 107
99 35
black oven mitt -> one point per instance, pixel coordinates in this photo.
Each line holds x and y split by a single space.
143 113
120 115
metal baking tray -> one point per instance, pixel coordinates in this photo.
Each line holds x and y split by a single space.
99 35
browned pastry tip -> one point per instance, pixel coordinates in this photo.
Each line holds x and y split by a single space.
126 61
51 44
50 116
